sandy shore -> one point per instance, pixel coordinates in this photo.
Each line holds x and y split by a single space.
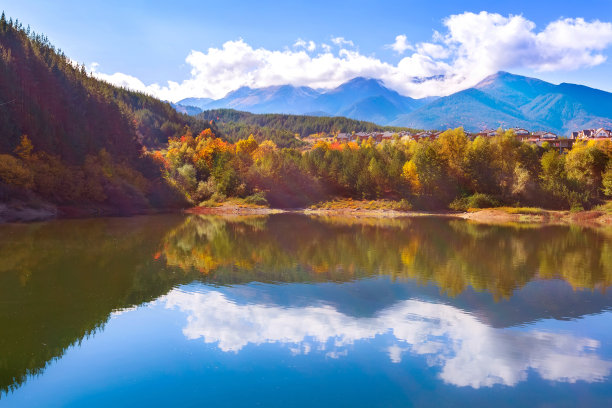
587 218
26 213
485 216
234 210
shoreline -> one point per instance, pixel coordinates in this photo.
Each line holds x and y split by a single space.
493 216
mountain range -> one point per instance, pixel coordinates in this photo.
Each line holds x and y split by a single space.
360 98
502 99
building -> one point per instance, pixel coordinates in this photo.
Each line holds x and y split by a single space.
562 145
343 137
542 134
521 132
593 134
487 133
602 133
424 135
387 136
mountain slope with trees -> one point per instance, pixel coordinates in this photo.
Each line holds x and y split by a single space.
236 125
70 139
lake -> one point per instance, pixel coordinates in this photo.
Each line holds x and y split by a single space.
288 310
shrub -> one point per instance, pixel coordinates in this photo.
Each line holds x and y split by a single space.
13 172
404 205
477 200
187 177
205 190
258 198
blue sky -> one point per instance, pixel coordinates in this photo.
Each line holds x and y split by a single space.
145 44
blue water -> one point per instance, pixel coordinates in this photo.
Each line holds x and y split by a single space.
372 341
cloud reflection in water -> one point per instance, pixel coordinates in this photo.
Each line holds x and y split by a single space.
469 352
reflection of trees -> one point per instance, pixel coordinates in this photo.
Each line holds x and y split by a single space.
452 254
60 281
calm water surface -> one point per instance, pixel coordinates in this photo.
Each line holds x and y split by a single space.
289 311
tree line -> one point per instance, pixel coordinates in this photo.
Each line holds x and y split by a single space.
450 171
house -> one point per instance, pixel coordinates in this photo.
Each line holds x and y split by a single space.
520 132
343 137
362 136
600 133
563 145
544 135
424 135
487 133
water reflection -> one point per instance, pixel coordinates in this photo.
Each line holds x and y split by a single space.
469 352
60 281
453 254
449 291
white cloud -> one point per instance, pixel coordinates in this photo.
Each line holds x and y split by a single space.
119 79
468 352
401 44
433 50
471 47
341 42
310 45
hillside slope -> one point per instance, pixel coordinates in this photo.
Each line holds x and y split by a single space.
84 138
230 121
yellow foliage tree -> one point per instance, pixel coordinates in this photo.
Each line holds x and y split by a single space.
25 147
410 174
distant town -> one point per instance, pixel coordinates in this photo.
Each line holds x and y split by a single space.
538 137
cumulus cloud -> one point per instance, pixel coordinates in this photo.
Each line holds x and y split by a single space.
401 44
119 79
462 346
471 46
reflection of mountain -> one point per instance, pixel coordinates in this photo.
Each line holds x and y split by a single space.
456 341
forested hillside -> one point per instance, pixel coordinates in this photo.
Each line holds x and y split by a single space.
238 125
73 139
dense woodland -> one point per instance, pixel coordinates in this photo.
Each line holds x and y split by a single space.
71 138
282 129
451 171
